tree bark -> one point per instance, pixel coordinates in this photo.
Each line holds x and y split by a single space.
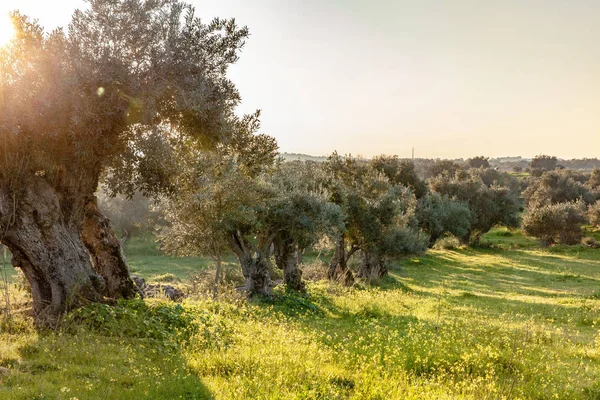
338 266
299 256
475 241
255 264
373 266
259 279
42 229
106 252
466 239
432 239
286 258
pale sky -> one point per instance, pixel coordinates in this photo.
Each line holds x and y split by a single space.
454 78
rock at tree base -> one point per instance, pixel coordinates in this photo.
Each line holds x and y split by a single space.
148 290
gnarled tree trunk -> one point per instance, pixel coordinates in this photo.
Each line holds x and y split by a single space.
106 252
286 258
432 240
42 229
372 266
258 277
338 266
255 264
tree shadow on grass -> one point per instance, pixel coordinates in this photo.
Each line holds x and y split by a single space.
298 304
501 273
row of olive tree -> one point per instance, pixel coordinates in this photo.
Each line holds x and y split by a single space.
238 198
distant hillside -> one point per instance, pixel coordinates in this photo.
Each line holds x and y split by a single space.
501 163
302 157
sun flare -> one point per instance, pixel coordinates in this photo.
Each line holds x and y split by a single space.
7 29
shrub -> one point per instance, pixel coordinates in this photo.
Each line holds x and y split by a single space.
556 187
594 213
448 243
543 163
552 223
438 215
594 179
478 162
488 205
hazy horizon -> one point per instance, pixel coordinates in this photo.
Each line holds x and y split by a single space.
452 80
507 157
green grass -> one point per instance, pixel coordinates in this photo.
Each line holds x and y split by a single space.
520 174
509 320
504 238
6 269
146 260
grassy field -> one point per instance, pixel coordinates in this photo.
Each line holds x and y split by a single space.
147 261
508 320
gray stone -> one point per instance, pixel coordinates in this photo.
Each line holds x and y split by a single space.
147 290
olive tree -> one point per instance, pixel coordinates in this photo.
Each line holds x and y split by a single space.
594 179
221 202
386 229
490 176
555 222
438 215
594 213
378 218
400 172
74 101
299 216
440 167
558 186
556 207
478 162
543 163
488 205
237 198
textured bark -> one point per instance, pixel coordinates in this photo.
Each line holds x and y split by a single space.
299 256
106 252
258 279
338 266
255 265
432 240
43 232
372 267
466 239
286 258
